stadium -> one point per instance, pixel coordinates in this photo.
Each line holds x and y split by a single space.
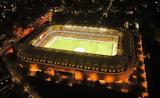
78 52
91 43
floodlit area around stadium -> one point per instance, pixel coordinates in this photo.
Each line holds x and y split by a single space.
82 42
79 54
78 51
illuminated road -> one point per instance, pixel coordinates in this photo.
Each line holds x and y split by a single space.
23 88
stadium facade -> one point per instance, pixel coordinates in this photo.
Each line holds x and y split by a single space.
78 52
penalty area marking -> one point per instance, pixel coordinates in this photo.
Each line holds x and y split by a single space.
51 42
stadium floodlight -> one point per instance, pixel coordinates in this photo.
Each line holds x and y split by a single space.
94 28
75 26
85 27
103 29
68 26
79 27
89 27
137 25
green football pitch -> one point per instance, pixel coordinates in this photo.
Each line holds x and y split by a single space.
81 45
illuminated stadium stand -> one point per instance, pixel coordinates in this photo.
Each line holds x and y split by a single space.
32 51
